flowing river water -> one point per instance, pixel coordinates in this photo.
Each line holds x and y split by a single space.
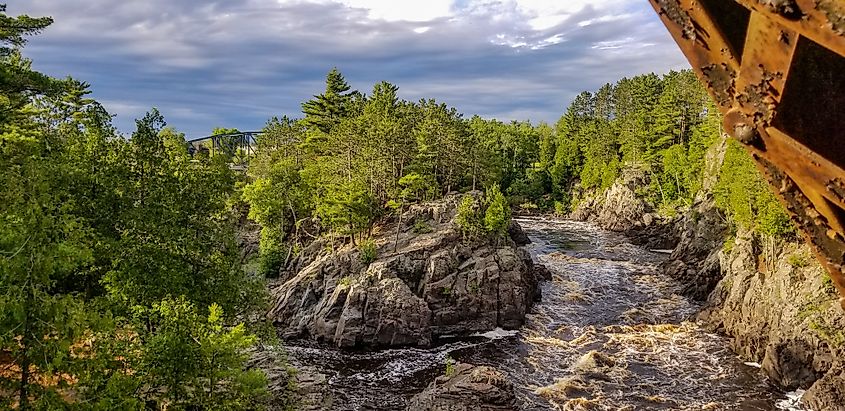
611 333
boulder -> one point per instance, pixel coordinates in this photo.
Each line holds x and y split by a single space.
467 387
426 281
828 393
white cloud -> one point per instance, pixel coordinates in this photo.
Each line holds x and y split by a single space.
397 10
206 63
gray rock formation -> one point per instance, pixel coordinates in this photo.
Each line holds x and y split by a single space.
694 261
426 281
467 388
780 311
620 209
291 386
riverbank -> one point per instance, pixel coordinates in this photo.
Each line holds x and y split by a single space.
610 332
768 295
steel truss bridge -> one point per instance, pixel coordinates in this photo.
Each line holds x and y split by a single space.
240 146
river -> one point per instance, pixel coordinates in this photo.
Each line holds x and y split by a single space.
611 333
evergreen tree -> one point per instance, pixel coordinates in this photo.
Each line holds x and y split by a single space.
325 111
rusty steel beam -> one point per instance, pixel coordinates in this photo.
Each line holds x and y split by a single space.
776 69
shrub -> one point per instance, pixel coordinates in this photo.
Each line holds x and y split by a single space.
561 208
422 227
450 366
469 217
270 262
345 282
180 359
797 261
497 217
272 253
369 251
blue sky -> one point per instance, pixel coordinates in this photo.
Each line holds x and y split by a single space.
236 63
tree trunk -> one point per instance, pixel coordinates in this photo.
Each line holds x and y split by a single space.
398 229
26 342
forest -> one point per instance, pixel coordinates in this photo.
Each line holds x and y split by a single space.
122 283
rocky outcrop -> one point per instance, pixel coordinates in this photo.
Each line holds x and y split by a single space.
467 387
694 262
780 310
291 386
425 281
618 208
621 209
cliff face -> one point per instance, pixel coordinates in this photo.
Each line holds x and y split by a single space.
424 280
780 311
769 296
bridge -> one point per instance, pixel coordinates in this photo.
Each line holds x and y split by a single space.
775 68
240 146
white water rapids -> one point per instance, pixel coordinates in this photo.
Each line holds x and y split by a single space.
611 333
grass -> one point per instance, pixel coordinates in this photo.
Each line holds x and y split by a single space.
798 261
833 336
450 366
729 244
345 282
369 251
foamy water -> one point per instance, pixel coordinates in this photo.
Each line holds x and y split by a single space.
611 333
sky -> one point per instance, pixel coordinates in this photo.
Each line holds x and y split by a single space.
236 63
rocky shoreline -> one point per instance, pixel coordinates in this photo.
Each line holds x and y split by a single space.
770 297
423 280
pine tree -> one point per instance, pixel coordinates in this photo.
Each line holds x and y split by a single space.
325 111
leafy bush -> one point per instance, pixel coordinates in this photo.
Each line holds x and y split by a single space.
797 261
497 217
422 227
561 208
450 366
345 282
469 217
369 251
174 357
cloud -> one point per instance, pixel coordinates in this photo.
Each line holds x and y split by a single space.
236 63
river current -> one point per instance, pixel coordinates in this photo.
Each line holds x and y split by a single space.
611 333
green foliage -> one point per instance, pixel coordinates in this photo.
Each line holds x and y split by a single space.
416 187
827 282
450 367
469 217
561 208
746 197
271 258
729 244
326 110
497 216
421 227
798 261
97 233
345 282
179 359
369 251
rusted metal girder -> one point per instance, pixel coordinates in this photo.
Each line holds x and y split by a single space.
776 69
